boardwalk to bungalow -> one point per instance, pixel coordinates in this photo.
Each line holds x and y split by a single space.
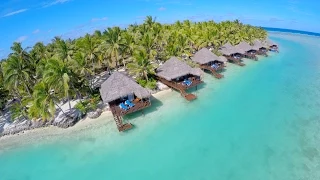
179 86
210 62
124 96
179 76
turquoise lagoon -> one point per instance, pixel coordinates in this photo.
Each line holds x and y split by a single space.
261 122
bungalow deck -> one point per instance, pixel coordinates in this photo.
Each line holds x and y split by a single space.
235 60
274 49
251 56
179 86
262 53
213 70
118 113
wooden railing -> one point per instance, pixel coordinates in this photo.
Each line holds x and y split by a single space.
138 105
213 71
235 60
251 56
181 87
262 53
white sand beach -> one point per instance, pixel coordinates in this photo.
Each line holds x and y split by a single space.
52 133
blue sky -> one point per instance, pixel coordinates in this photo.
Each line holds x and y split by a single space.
30 21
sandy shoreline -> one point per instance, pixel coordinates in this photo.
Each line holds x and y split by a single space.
54 133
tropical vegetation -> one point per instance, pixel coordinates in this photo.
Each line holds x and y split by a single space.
39 78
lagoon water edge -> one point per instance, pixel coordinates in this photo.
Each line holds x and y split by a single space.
260 122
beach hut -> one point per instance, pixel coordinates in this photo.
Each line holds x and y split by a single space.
124 96
262 48
272 46
232 54
179 76
209 61
250 51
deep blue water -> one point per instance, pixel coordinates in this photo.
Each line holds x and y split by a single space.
291 31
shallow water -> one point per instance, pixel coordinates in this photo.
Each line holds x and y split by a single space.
260 122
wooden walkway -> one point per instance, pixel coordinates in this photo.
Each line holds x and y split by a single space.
213 71
118 113
181 88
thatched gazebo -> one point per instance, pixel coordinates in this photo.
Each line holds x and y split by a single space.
263 49
250 51
232 53
209 61
124 96
179 76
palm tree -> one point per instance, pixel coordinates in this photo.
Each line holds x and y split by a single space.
90 47
63 50
150 21
44 102
148 43
142 66
57 74
19 51
113 44
17 73
80 67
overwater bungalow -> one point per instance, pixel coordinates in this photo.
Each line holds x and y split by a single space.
209 61
272 46
179 76
262 49
250 51
124 96
232 54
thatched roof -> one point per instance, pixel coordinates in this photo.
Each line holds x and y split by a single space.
259 44
119 85
174 68
228 49
223 59
239 50
205 56
246 46
227 45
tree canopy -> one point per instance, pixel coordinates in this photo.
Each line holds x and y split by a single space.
41 76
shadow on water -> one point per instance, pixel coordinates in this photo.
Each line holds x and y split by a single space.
155 104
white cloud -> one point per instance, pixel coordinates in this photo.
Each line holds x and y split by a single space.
55 2
36 31
15 12
21 39
162 9
99 19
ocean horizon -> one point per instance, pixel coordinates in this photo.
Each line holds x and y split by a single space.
293 31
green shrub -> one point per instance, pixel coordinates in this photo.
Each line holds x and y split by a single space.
142 82
81 107
151 84
87 105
